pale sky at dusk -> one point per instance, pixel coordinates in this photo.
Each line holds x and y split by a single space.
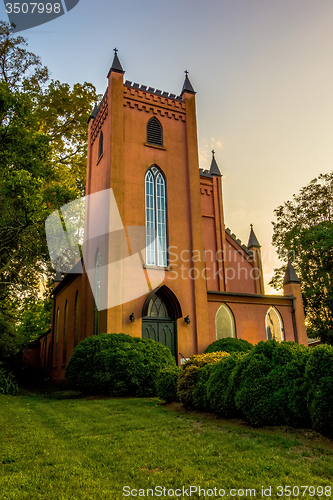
262 69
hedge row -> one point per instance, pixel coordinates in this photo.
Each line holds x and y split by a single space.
270 384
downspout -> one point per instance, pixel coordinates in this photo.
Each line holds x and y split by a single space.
294 321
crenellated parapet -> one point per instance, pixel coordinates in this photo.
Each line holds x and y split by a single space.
101 115
154 101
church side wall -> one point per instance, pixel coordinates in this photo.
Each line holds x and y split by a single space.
239 272
250 317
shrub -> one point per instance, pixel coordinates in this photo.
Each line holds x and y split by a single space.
8 384
188 376
264 392
166 384
319 373
118 365
200 398
230 345
220 388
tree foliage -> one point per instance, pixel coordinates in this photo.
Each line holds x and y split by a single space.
304 233
43 148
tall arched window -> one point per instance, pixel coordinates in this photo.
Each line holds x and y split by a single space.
97 291
274 325
156 218
77 319
154 132
64 346
56 338
224 323
100 145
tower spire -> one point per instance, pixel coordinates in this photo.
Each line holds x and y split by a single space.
253 241
290 276
214 169
116 66
187 87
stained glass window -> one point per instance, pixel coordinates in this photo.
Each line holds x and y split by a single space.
156 220
64 346
274 325
224 323
157 308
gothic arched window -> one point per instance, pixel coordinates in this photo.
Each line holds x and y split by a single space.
97 291
100 145
56 338
156 220
154 132
64 345
274 325
224 323
77 319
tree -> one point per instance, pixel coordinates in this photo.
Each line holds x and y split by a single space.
18 67
304 234
43 143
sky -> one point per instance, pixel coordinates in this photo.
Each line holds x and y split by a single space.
262 70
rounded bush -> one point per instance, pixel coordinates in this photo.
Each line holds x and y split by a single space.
220 389
200 398
230 345
118 365
264 392
188 376
319 374
166 384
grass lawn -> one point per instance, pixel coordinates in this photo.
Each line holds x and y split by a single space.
68 449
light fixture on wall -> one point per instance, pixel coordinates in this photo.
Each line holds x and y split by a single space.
187 320
132 318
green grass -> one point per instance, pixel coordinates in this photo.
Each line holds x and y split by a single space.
73 449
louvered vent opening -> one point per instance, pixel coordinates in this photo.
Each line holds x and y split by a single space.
100 145
154 132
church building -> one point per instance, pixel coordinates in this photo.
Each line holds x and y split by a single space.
142 145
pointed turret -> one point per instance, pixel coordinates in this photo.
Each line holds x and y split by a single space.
187 87
116 66
290 276
214 169
292 287
253 241
255 250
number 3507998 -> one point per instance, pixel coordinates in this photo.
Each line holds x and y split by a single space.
30 8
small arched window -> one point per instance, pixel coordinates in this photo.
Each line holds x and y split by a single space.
100 145
156 218
224 323
274 325
77 319
97 291
64 346
154 132
56 338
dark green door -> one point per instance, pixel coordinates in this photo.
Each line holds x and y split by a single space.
160 330
159 324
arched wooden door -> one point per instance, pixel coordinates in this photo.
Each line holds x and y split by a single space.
159 323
